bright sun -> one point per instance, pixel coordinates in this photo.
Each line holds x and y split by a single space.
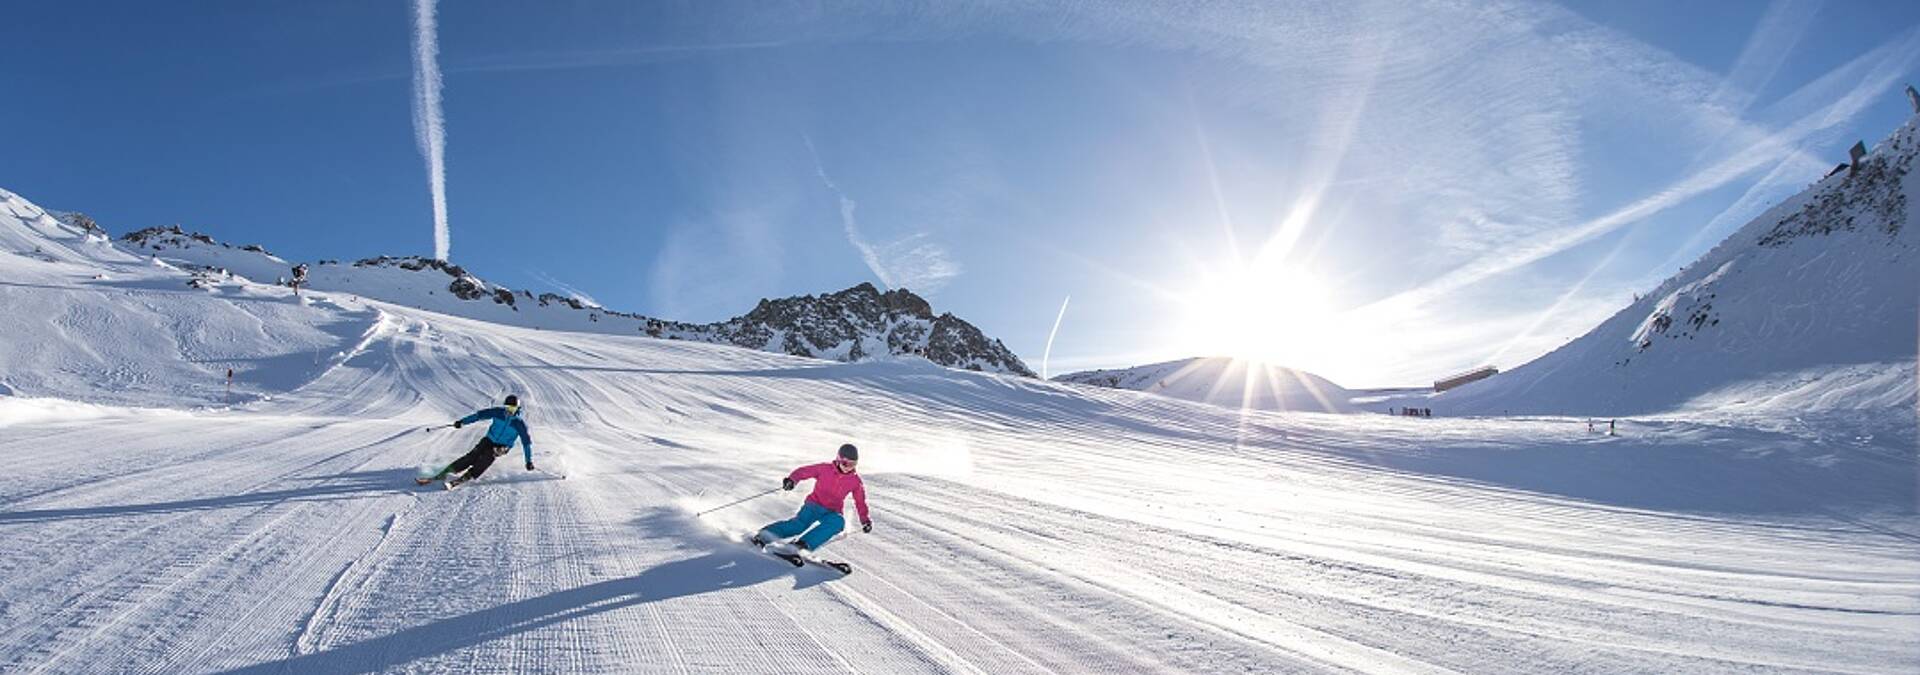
1267 313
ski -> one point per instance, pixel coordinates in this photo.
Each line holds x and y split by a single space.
799 560
452 482
838 566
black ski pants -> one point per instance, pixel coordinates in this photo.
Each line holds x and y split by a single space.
476 461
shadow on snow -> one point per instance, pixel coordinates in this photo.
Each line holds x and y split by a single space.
724 565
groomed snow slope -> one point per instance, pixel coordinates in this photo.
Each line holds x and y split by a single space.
1021 526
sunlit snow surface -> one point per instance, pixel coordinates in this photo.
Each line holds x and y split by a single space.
1020 526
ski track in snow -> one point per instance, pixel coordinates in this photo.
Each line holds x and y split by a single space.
1020 526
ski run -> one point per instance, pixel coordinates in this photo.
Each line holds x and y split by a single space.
152 520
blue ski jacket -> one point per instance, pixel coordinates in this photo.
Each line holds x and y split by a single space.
505 429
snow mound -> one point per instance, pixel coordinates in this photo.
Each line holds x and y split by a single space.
109 327
1224 381
15 411
1826 282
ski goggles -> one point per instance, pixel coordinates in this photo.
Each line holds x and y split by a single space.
513 410
845 463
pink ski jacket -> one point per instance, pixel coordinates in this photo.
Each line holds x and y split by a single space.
830 487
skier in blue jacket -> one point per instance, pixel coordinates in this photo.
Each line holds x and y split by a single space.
507 427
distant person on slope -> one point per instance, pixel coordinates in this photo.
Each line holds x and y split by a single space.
832 481
507 427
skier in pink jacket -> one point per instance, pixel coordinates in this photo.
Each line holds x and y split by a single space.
832 482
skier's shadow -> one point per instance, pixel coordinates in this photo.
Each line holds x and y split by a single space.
730 565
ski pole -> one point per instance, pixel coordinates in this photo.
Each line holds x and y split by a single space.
442 426
741 500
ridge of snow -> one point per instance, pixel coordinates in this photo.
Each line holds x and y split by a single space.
1827 280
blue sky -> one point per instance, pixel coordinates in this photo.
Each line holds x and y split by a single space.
1378 192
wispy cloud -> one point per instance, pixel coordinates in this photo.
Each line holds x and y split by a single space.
429 126
911 262
602 58
514 62
1780 28
684 281
1869 76
1463 141
847 220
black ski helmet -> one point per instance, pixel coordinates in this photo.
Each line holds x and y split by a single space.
511 400
847 451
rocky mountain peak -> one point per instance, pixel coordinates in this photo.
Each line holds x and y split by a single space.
857 323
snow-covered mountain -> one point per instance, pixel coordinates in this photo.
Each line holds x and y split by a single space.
1814 305
851 325
90 321
855 324
149 522
1225 381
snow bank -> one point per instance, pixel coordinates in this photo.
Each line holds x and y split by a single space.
16 411
1815 302
1234 383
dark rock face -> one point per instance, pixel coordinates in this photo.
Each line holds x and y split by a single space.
954 341
162 238
901 301
465 288
1872 190
414 263
557 299
855 324
80 221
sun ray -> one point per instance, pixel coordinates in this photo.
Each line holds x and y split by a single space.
1313 390
1220 381
1213 180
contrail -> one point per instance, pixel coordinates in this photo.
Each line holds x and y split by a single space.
1047 355
429 127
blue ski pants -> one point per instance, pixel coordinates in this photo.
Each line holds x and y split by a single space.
825 524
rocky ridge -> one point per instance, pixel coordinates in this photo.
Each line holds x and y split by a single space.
854 324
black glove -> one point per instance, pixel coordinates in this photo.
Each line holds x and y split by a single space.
786 483
866 526
529 466
457 424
